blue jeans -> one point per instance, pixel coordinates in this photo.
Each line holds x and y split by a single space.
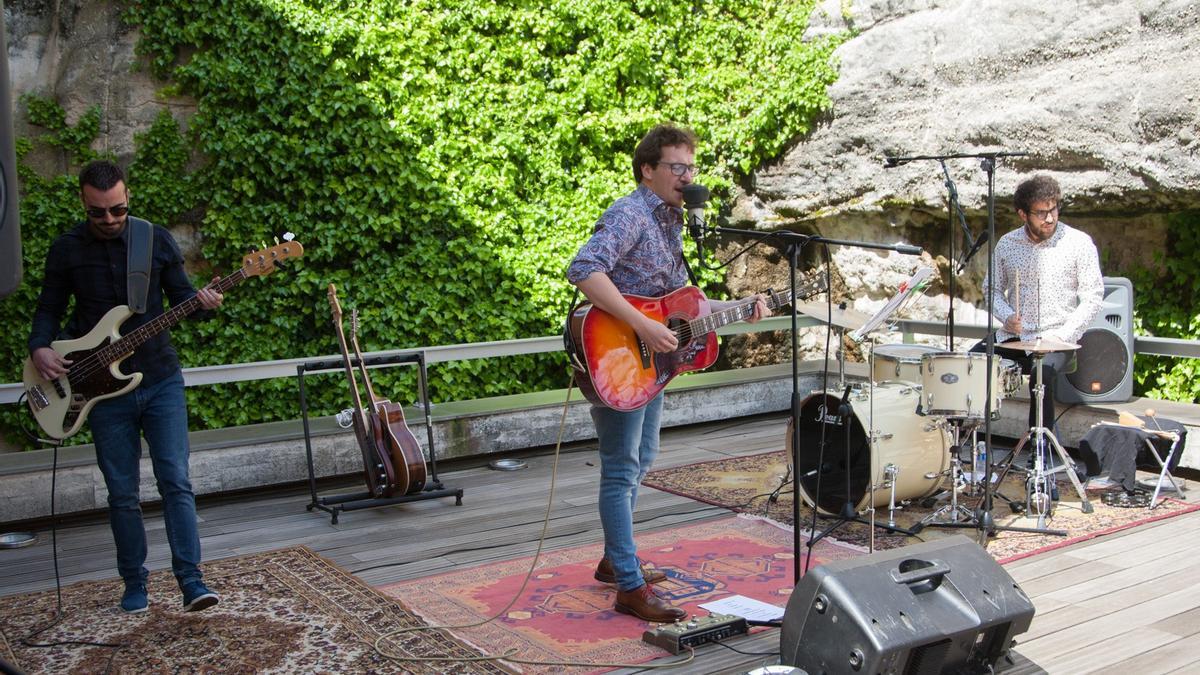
159 411
628 446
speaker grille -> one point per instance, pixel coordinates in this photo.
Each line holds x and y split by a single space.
1103 361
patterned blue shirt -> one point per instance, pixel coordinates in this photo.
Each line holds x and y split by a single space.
638 243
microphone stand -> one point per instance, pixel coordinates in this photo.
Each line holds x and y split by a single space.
983 521
795 243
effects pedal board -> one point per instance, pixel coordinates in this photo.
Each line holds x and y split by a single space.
679 636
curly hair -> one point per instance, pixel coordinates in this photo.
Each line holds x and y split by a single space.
649 149
1040 188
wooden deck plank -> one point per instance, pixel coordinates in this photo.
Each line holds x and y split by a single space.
1124 601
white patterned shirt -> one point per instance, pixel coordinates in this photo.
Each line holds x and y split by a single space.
1061 288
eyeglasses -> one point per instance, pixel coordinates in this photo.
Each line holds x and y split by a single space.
679 168
99 211
1044 215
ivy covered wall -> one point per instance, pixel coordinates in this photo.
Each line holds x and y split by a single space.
440 161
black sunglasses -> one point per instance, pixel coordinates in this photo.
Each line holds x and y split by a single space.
99 211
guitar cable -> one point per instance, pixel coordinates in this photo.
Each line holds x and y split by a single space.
509 654
59 614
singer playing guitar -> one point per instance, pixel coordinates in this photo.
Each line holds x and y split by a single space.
637 249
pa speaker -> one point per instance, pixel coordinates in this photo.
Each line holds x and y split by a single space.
1105 358
10 228
943 606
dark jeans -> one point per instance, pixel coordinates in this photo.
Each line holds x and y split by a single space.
1052 365
157 410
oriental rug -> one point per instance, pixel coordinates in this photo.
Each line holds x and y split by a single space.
751 484
565 615
283 611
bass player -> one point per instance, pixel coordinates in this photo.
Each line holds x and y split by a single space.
90 262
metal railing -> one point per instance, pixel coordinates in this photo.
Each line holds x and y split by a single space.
266 370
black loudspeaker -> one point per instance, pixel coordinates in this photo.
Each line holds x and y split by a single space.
1105 358
10 228
943 606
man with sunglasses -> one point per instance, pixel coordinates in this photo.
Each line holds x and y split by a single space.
1057 270
89 262
637 249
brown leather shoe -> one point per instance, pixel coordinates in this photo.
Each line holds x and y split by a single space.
644 604
605 574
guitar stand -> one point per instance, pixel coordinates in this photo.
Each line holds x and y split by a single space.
335 504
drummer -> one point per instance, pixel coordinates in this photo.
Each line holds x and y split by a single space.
1048 285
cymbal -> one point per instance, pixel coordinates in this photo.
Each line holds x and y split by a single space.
1041 345
850 319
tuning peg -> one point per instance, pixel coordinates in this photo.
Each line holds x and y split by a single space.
276 241
250 248
262 244
288 236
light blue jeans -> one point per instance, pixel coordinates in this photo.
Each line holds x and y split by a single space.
628 446
159 411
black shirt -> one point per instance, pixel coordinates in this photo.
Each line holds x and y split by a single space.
94 272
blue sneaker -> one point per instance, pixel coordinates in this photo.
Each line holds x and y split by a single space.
134 600
196 597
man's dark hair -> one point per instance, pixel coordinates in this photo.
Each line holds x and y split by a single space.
1040 188
649 149
101 174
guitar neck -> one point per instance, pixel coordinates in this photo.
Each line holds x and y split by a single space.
136 338
362 368
358 406
711 322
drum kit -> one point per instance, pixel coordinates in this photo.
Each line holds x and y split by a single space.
905 429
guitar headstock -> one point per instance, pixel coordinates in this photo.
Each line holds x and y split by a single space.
262 261
334 305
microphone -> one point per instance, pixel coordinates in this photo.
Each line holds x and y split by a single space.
983 237
694 197
893 162
844 406
907 249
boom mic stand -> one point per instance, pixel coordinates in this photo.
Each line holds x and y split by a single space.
983 521
794 244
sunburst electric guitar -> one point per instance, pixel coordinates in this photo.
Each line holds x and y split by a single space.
60 406
614 368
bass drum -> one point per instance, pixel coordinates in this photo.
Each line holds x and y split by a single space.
899 362
917 446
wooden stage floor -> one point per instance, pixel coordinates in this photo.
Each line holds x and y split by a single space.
1127 602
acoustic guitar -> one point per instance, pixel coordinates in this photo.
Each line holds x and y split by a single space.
60 406
614 368
399 441
378 470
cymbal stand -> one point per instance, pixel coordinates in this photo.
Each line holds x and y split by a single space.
1037 495
953 510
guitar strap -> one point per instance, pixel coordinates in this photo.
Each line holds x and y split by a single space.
140 250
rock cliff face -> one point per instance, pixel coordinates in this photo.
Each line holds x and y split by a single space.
1104 96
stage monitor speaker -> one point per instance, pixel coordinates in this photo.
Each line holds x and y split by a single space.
10 228
1105 358
943 606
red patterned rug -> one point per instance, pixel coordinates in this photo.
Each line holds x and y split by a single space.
745 484
565 615
285 611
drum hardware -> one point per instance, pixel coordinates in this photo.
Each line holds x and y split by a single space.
953 511
890 470
1038 490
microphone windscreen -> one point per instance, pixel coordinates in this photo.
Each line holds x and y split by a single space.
694 195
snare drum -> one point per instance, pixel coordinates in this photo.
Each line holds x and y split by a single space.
916 446
955 384
899 362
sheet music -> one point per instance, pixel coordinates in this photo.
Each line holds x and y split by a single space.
918 282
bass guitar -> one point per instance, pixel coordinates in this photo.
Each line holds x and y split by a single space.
614 368
60 406
378 470
399 441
